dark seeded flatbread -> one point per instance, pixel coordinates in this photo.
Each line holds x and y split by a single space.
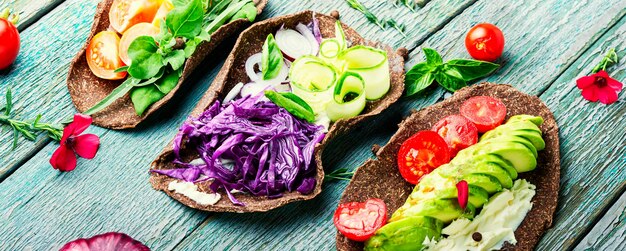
249 43
380 179
87 90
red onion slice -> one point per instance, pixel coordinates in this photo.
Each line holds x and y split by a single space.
308 34
292 43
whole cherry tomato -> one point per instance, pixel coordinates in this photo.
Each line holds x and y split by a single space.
10 43
485 42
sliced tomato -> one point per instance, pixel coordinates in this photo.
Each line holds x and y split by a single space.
126 13
358 221
486 112
103 55
165 8
458 132
420 154
141 29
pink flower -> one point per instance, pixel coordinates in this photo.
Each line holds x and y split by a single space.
72 143
599 86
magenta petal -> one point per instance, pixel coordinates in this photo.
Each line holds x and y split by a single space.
63 159
585 81
616 85
607 95
86 145
591 93
80 123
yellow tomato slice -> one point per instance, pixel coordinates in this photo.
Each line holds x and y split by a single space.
126 13
165 8
140 29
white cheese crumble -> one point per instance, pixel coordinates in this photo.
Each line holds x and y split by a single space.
190 190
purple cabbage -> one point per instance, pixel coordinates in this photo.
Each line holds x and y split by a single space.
249 145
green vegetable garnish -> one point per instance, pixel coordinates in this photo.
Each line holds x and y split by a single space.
272 60
355 4
293 104
452 75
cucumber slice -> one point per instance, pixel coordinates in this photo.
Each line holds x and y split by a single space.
340 36
312 80
329 48
339 108
372 65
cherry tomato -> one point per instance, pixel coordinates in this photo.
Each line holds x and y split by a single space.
485 42
485 112
10 45
358 221
420 154
141 29
126 13
458 132
103 55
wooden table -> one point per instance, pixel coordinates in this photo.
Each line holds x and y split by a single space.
549 44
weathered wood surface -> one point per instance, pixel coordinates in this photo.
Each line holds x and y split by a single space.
610 232
30 11
43 209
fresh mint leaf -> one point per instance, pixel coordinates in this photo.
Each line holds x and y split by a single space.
146 62
448 81
419 78
185 20
432 57
176 59
472 69
272 59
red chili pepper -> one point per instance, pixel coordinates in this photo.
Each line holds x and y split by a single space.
462 193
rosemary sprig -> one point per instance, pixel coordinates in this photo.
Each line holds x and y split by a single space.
29 129
607 61
399 27
355 4
339 174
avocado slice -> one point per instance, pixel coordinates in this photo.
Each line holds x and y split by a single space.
489 183
518 154
533 136
406 234
491 158
513 138
445 210
518 125
524 117
477 195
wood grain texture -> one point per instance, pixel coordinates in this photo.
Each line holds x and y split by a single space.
30 11
593 150
42 209
308 225
610 232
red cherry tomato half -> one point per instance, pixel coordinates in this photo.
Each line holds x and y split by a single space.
420 154
457 131
485 112
10 45
485 42
358 221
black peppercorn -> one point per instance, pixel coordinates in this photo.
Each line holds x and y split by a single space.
477 236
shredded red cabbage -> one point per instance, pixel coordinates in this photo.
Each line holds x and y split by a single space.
249 145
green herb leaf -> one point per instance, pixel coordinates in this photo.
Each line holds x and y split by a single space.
146 62
224 16
117 93
248 11
419 78
293 104
9 102
176 59
169 82
144 96
121 69
449 81
355 4
472 69
395 25
272 60
339 174
185 20
432 57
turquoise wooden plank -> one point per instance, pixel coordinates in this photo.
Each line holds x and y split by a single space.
610 232
30 11
108 193
38 76
530 55
593 154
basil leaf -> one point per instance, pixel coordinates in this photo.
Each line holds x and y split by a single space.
144 96
146 62
117 93
432 57
176 59
272 59
418 78
472 69
293 104
449 81
185 20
